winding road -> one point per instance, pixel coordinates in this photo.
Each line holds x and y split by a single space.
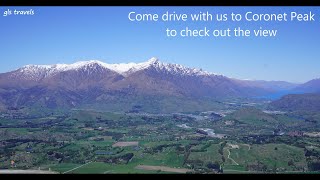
249 147
229 153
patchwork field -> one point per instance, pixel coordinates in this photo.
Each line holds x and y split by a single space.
125 144
90 142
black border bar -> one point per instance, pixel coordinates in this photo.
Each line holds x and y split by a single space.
159 2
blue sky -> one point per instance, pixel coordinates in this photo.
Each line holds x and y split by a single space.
69 34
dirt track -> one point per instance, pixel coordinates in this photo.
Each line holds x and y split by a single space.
163 168
125 144
7 171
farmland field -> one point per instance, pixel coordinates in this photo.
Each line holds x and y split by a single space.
162 168
125 144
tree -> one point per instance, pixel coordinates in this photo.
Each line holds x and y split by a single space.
215 166
291 163
246 167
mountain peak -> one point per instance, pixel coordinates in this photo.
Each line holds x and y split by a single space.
153 60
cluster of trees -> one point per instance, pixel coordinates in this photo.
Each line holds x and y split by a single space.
55 156
309 153
258 166
159 148
313 159
266 139
117 159
201 167
115 135
314 166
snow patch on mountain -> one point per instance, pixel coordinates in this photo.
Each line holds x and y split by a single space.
128 68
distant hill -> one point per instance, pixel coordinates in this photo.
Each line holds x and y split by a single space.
251 116
272 85
298 102
312 86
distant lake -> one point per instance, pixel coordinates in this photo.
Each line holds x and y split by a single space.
278 95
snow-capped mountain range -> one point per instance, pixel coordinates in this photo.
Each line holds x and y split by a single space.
38 72
94 82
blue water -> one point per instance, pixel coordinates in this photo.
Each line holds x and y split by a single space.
278 95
